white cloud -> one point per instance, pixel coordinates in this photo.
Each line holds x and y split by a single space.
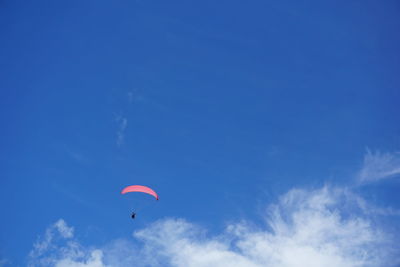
319 228
378 166
58 248
325 227
94 259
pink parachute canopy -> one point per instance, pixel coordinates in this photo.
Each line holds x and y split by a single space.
139 188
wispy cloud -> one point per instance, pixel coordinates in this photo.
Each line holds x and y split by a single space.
122 124
77 156
378 166
135 96
45 242
324 227
4 262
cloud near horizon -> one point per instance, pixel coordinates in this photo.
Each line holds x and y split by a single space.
325 227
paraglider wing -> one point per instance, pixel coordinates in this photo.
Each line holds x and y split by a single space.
139 188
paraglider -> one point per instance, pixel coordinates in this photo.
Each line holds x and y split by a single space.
139 188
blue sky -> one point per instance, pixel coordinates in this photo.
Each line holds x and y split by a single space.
242 116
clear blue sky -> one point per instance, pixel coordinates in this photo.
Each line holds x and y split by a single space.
220 106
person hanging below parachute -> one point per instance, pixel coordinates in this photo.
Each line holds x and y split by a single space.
139 188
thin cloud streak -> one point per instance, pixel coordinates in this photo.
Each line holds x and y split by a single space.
122 124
